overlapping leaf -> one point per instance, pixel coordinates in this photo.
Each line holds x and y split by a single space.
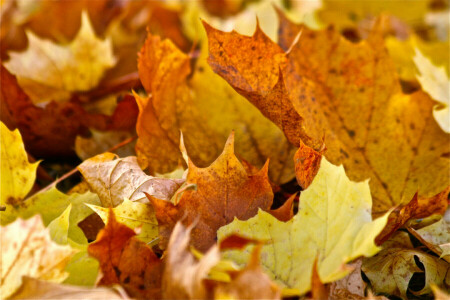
327 88
333 223
224 191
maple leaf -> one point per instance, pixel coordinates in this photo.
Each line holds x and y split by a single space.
58 123
391 270
436 83
114 179
133 215
33 289
224 191
126 260
333 222
18 174
77 66
205 108
327 88
27 250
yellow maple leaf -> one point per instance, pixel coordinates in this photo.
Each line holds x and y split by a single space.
27 250
47 71
333 222
436 83
18 174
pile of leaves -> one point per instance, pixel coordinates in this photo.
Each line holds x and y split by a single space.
225 149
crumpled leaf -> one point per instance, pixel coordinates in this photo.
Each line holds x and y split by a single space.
318 87
134 215
18 174
126 260
114 179
436 83
183 274
437 235
27 250
38 289
205 108
224 191
47 71
350 287
391 270
333 223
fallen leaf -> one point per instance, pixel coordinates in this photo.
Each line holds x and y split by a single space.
326 88
206 109
224 191
114 179
18 174
439 294
436 83
134 215
183 274
38 289
62 69
333 222
350 287
417 208
126 260
391 270
437 235
249 283
27 250
307 163
56 124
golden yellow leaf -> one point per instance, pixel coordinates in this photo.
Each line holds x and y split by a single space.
333 222
18 174
206 109
27 250
47 71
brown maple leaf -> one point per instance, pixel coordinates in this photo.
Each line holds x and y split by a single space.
224 191
317 86
126 260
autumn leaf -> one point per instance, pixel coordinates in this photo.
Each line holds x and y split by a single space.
391 270
77 66
134 215
18 174
436 83
27 250
205 108
325 88
333 222
183 274
437 238
126 260
224 191
32 288
114 179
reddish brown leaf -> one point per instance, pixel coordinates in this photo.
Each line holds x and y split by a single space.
418 207
286 211
307 163
126 260
224 192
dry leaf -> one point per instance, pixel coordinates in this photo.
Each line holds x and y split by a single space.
224 191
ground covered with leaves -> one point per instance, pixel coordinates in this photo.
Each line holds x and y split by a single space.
225 149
